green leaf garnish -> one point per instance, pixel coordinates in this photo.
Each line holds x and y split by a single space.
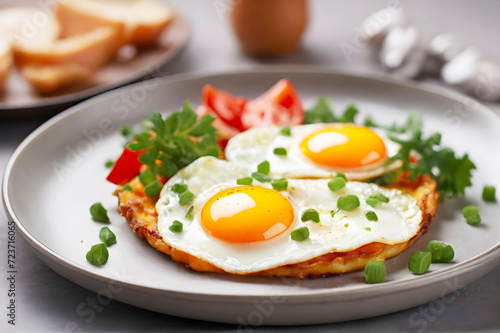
176 226
107 236
185 198
99 213
98 254
109 163
189 214
310 215
286 131
261 177
279 184
244 181
300 234
127 188
264 168
348 202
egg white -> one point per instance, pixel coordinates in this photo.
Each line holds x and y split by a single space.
255 145
398 221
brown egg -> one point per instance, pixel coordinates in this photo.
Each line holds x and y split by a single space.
268 27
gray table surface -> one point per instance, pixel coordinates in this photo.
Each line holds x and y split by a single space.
47 302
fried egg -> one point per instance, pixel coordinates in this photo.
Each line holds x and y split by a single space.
243 229
316 151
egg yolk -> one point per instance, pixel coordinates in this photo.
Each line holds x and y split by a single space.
344 146
247 214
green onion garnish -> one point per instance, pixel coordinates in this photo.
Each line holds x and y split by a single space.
189 214
279 151
280 184
333 212
179 188
375 272
127 188
126 130
153 188
176 226
376 199
300 234
185 198
440 251
264 168
337 183
99 213
371 216
261 177
310 215
471 214
98 254
286 131
107 236
368 229
489 194
244 181
348 202
109 163
420 262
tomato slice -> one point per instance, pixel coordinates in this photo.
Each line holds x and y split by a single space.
226 107
280 105
126 168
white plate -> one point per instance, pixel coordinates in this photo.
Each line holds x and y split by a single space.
58 172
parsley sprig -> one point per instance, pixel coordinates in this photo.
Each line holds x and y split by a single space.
175 142
419 154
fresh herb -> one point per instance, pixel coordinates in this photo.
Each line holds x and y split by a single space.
471 214
489 194
185 198
176 226
107 236
127 131
280 151
420 262
244 181
179 188
333 212
371 216
368 229
300 234
348 202
127 188
375 272
189 213
376 199
286 131
323 113
261 177
440 251
279 184
109 163
99 213
153 189
337 183
310 215
177 140
264 168
98 254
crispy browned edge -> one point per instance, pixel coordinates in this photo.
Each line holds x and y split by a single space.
139 210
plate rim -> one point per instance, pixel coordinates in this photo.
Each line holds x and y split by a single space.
308 296
79 96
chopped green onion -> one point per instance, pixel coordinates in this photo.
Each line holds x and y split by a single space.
337 183
280 151
420 262
261 177
286 131
179 188
375 272
368 229
109 163
300 234
335 211
107 236
471 214
280 184
127 188
98 254
126 130
153 189
371 216
346 225
348 202
176 226
264 168
310 215
244 181
440 251
189 214
146 177
99 213
489 194
185 198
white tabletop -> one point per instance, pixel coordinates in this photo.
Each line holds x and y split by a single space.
48 302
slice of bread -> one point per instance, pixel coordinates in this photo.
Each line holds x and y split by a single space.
91 50
142 21
51 78
5 60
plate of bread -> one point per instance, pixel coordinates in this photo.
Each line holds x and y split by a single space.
56 54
